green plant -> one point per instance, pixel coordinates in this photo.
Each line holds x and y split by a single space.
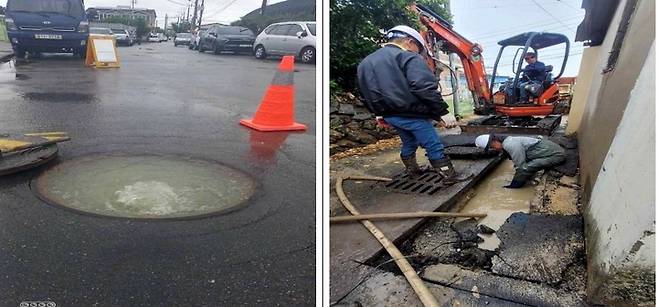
183 26
357 28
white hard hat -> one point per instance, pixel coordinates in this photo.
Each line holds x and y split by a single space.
482 141
410 32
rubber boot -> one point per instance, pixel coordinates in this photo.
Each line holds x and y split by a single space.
413 170
447 171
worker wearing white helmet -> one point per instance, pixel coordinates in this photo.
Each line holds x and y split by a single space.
407 32
529 154
399 88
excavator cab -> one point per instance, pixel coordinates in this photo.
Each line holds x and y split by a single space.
542 97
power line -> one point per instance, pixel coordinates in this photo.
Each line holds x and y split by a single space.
549 14
533 24
496 40
222 9
177 3
569 5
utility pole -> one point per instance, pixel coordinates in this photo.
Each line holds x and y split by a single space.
166 22
132 4
203 6
188 12
196 8
262 7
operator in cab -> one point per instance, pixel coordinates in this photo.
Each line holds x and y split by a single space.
401 90
534 74
529 154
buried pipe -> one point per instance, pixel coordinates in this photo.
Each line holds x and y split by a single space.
416 283
401 215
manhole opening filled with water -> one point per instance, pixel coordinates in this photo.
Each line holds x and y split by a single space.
145 186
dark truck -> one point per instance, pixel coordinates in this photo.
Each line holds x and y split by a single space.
58 26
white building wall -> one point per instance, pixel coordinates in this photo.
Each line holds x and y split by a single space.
621 212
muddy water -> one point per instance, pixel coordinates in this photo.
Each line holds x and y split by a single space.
144 186
498 203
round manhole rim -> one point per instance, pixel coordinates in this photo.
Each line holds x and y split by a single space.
254 192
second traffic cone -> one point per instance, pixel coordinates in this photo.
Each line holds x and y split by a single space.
276 111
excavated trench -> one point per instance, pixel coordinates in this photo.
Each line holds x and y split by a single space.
554 241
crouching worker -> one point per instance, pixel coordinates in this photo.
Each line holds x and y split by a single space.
528 154
397 85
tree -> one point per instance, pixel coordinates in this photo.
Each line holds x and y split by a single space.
184 26
139 23
357 28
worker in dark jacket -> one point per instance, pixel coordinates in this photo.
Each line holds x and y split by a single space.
534 76
397 85
529 154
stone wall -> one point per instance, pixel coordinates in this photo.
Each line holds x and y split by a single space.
352 125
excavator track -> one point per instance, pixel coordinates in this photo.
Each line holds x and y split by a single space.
509 125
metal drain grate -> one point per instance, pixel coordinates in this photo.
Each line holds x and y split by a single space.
427 184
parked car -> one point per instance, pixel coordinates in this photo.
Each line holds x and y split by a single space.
154 37
162 37
286 38
226 38
183 39
122 37
47 26
101 32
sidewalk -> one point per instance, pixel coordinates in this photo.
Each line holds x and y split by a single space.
6 52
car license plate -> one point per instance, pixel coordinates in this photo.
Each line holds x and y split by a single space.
47 36
244 45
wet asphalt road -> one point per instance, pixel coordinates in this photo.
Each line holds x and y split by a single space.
164 101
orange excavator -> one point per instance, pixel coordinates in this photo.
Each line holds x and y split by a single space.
505 113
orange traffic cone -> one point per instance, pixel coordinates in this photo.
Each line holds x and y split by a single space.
276 110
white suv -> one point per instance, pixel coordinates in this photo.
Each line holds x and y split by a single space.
287 38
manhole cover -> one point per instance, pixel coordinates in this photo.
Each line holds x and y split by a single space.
144 186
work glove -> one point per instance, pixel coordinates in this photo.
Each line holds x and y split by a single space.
381 122
515 184
449 120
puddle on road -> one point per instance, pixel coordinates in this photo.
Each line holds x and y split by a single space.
60 97
497 202
144 186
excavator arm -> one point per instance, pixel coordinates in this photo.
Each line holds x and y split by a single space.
438 36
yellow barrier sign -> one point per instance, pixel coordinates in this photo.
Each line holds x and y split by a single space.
102 52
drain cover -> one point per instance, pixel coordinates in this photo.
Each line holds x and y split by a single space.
427 184
144 186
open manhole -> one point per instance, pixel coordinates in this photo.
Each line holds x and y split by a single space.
151 187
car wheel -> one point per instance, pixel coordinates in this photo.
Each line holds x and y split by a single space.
307 55
19 53
260 53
